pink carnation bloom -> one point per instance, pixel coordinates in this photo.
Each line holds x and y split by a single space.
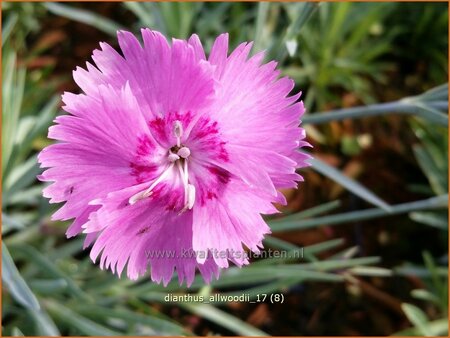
169 158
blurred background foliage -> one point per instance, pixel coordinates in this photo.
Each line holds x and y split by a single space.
371 217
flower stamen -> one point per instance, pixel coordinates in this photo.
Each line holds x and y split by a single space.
178 155
173 157
148 192
178 131
184 152
189 189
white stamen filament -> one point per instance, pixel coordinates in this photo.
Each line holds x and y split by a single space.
191 196
136 197
147 192
189 189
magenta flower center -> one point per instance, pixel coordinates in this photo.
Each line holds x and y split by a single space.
177 156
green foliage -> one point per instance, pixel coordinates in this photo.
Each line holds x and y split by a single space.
436 294
84 16
341 48
21 17
51 287
431 105
425 39
431 155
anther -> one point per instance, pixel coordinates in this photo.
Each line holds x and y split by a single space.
173 157
184 152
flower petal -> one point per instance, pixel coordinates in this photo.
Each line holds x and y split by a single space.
223 226
146 234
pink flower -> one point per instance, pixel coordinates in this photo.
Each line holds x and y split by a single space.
169 158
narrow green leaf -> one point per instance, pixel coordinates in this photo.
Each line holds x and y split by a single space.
160 23
23 295
430 218
314 211
188 11
250 277
426 295
15 283
348 183
27 196
12 91
10 223
46 265
437 180
399 107
303 11
87 17
223 319
436 93
8 27
40 126
263 10
418 318
294 252
144 16
431 114
437 327
419 271
440 285
279 243
48 286
331 265
361 215
290 252
323 246
334 33
170 16
346 253
75 320
159 325
44 324
373 271
20 177
16 332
